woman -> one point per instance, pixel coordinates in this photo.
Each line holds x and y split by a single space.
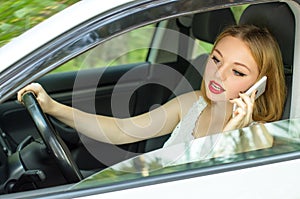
241 55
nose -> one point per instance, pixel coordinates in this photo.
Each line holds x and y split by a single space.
222 72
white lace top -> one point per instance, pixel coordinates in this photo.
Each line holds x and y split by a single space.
185 128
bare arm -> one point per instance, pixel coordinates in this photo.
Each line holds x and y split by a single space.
154 123
119 131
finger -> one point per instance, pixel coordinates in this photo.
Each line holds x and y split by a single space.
239 103
237 120
21 92
240 112
33 87
250 104
253 95
19 95
249 101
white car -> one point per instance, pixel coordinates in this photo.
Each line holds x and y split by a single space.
123 58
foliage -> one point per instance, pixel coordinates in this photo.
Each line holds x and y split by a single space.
19 16
238 10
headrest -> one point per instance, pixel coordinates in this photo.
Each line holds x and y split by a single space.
278 18
206 26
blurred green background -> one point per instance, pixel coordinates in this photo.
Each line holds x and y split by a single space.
17 16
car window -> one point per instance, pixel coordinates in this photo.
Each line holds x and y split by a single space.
131 47
201 47
250 143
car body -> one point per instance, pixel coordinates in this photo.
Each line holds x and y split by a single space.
123 58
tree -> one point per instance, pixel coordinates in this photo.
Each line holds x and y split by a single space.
19 16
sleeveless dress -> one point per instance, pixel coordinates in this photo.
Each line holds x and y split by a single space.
185 128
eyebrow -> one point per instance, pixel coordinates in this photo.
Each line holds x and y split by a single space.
236 63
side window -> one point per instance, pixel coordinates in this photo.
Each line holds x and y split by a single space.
128 48
201 47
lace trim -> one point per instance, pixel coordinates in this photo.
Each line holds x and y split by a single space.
184 129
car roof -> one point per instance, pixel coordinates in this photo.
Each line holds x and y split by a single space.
52 27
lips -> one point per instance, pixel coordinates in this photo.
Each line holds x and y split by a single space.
215 88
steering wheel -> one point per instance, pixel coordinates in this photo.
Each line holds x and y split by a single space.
52 140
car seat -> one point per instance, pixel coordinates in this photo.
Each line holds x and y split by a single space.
206 26
278 18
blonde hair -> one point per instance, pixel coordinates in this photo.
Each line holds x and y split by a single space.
267 54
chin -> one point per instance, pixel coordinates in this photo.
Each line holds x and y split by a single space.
216 97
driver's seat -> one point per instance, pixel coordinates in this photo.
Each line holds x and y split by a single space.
278 18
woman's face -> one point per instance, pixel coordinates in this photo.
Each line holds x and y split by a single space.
230 69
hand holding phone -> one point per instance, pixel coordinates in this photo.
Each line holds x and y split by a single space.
259 86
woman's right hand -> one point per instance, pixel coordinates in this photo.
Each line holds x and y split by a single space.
45 101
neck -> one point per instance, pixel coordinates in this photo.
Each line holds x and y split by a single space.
226 106
221 112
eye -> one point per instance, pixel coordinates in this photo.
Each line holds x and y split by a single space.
215 59
237 73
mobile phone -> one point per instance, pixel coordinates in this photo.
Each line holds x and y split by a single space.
260 86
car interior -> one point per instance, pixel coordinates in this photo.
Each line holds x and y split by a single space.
18 131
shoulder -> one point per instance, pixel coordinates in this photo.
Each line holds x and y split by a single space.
187 100
190 97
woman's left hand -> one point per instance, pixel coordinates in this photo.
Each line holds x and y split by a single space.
242 115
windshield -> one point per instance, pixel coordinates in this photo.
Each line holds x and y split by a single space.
253 142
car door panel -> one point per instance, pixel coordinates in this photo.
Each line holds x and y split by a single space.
60 87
